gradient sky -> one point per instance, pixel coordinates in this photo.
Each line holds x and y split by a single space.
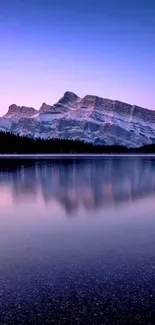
99 47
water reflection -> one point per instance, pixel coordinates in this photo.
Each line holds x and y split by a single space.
76 184
96 268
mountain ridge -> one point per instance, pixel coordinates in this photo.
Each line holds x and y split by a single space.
91 119
44 104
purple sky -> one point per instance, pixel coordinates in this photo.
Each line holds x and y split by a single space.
101 47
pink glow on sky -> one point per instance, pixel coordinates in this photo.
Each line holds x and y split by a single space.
50 47
34 88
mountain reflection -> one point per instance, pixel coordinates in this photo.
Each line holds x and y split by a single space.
87 184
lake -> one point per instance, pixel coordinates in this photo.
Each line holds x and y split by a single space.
77 241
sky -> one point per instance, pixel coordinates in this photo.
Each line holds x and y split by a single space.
99 47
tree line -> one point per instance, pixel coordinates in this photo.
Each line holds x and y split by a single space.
11 143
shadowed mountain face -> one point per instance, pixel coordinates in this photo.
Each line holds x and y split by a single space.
91 119
76 184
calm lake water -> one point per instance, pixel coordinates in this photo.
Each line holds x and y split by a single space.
77 241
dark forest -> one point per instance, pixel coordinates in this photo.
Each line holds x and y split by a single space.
10 143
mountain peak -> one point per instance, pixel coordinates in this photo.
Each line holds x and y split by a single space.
15 110
70 95
45 107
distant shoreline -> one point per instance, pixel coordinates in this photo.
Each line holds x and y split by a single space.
78 156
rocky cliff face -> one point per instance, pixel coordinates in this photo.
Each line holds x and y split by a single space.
91 119
20 111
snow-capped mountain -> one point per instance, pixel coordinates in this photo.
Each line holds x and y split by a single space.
92 119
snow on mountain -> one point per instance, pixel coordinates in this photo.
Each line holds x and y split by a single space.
91 119
5 124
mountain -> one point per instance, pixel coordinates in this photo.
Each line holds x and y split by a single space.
19 111
90 119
